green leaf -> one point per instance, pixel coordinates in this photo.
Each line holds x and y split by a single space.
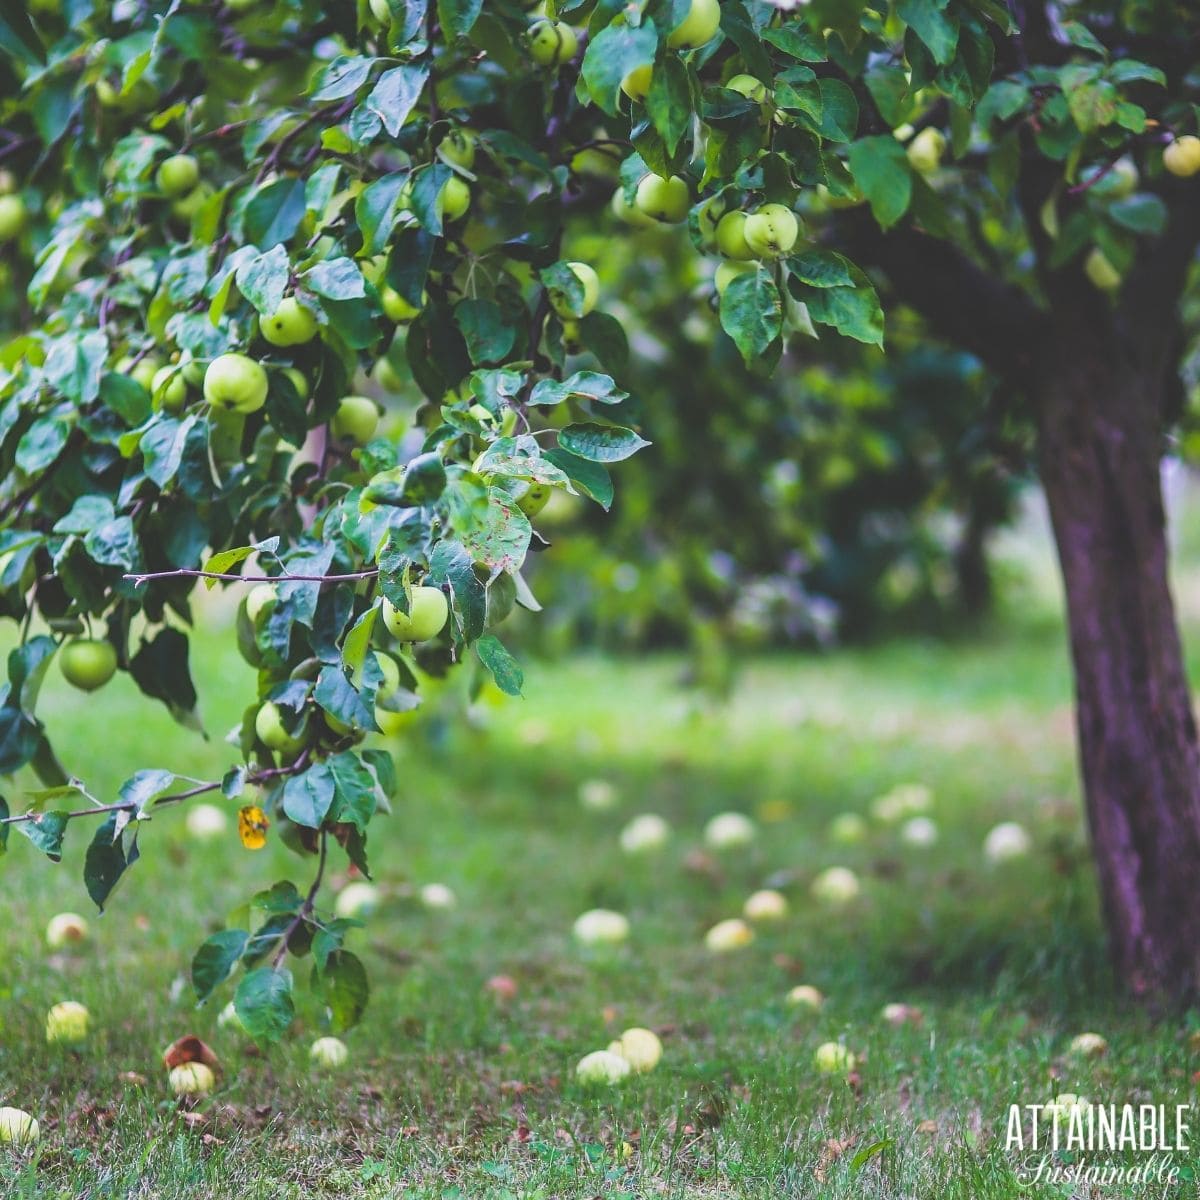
41 444
933 25
839 111
458 17
275 212
395 95
867 1153
451 563
881 169
354 786
1079 35
600 443
611 55
583 385
504 669
18 37
796 42
752 313
74 366
45 831
336 279
485 329
307 798
1143 213
215 960
376 208
107 858
264 1003
341 699
590 478
342 77
264 279
342 984
113 544
160 668
821 268
854 312
670 102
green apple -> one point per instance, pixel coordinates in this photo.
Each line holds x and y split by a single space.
699 26
591 293
832 1058
425 619
67 1023
804 995
143 371
1101 272
708 217
236 383
925 150
636 83
458 148
388 377
260 597
1114 182
727 272
601 927
141 96
177 175
836 887
291 324
356 419
534 498
600 162
88 663
630 214
193 373
640 1048
731 236
328 1053
572 337
12 217
602 1068
1182 157
455 199
748 86
8 182
730 830
552 43
191 1079
662 199
268 724
381 11
186 207
391 674
169 389
726 936
396 308
206 822
357 899
765 905
772 230
18 1128
66 929
298 381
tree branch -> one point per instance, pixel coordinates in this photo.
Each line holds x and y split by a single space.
306 908
189 573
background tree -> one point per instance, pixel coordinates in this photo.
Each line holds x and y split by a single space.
233 208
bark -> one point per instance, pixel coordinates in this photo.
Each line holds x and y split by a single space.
1100 443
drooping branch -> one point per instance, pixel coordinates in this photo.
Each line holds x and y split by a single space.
190 573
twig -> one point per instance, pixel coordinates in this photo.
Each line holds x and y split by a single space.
189 573
335 112
305 909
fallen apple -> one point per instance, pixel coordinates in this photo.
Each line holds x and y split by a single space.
919 831
765 905
836 887
804 995
192 1080
640 1048
597 794
602 1067
1006 841
847 829
728 935
66 929
438 896
67 1023
206 822
832 1058
1089 1045
645 833
328 1053
729 830
357 899
18 1128
601 927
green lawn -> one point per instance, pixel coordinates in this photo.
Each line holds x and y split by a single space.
450 1094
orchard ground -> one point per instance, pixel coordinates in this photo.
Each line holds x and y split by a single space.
449 1092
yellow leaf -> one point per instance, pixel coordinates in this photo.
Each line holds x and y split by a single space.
252 827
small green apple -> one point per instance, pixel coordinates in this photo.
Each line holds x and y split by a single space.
169 389
291 324
191 1080
458 148
205 822
1182 156
728 271
88 663
66 929
731 236
804 995
748 86
772 230
259 599
640 1048
729 935
552 43
662 199
636 83
836 887
832 1058
765 905
381 11
630 214
357 899
730 830
67 1023
601 1067
925 150
698 27
328 1053
534 498
455 198
590 282
18 1128
298 381
601 927
13 215
177 175
426 618
268 725
1101 272
235 382
396 308
356 419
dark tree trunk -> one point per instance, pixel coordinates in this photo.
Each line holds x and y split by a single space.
1100 445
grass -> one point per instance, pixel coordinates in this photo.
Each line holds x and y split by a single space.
451 1094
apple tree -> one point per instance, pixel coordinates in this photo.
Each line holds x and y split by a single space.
227 212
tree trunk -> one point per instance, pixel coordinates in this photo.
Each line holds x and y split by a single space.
1100 445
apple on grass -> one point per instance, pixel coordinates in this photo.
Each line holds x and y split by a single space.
804 995
192 1080
729 830
236 383
1006 841
66 929
766 905
88 663
836 887
357 899
291 324
644 834
18 1128
601 927
328 1053
729 935
67 1023
640 1048
1089 1045
438 897
602 1067
832 1058
205 822
428 612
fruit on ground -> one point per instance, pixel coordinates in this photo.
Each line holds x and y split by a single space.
205 822
1182 157
729 830
88 663
427 616
597 794
438 897
748 86
534 498
66 929
644 834
772 230
1089 1045
766 905
636 83
662 199
1007 841
727 272
832 1058
12 219
458 148
552 43
640 1048
847 829
699 26
396 308
260 596
1101 272
236 383
728 935
836 886
17 1127
169 389
67 1023
178 174
731 236
356 899
601 927
589 281
268 724
925 151
804 995
602 1067
291 324
356 418
328 1053
192 1079
455 199
920 831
